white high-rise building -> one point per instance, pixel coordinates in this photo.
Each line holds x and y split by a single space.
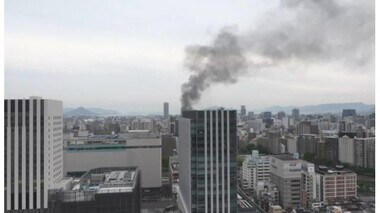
33 151
310 185
255 168
346 150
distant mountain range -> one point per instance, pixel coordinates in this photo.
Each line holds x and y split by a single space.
324 108
81 111
308 109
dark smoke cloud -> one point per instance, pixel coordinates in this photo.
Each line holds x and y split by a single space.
309 31
221 62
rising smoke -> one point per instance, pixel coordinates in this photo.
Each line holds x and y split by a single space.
307 31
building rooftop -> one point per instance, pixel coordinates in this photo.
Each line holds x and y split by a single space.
108 180
285 157
99 181
338 169
109 139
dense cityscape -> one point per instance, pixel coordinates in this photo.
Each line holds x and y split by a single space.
202 160
214 106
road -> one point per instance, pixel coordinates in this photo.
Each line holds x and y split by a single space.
250 200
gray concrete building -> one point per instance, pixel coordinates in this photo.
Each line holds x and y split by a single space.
166 110
140 149
307 143
295 113
364 152
100 190
285 173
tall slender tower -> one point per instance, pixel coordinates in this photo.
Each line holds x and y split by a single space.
207 158
33 152
166 110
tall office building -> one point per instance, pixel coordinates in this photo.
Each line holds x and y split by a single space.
295 113
251 115
364 152
307 143
207 161
243 111
348 112
346 150
285 173
166 110
281 115
331 148
33 152
310 185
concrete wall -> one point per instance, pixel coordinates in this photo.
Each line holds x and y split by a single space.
148 160
184 150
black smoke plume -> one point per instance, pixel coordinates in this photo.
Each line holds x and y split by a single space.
305 31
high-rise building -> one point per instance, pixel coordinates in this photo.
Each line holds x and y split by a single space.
207 161
310 185
285 173
33 152
307 127
251 115
346 150
166 110
348 112
332 149
255 168
266 115
273 138
243 111
307 143
295 113
281 115
364 152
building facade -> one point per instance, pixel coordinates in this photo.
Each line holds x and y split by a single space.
348 112
255 168
307 143
346 150
310 185
166 110
140 149
337 184
33 152
295 113
207 161
364 152
100 190
285 173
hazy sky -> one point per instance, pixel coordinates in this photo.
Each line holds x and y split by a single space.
129 55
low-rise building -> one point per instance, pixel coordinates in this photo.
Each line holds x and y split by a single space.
140 148
337 183
100 190
275 209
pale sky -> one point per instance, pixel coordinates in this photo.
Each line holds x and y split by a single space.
129 56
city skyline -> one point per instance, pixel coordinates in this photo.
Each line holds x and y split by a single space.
98 59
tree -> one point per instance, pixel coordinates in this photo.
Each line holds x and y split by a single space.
308 157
